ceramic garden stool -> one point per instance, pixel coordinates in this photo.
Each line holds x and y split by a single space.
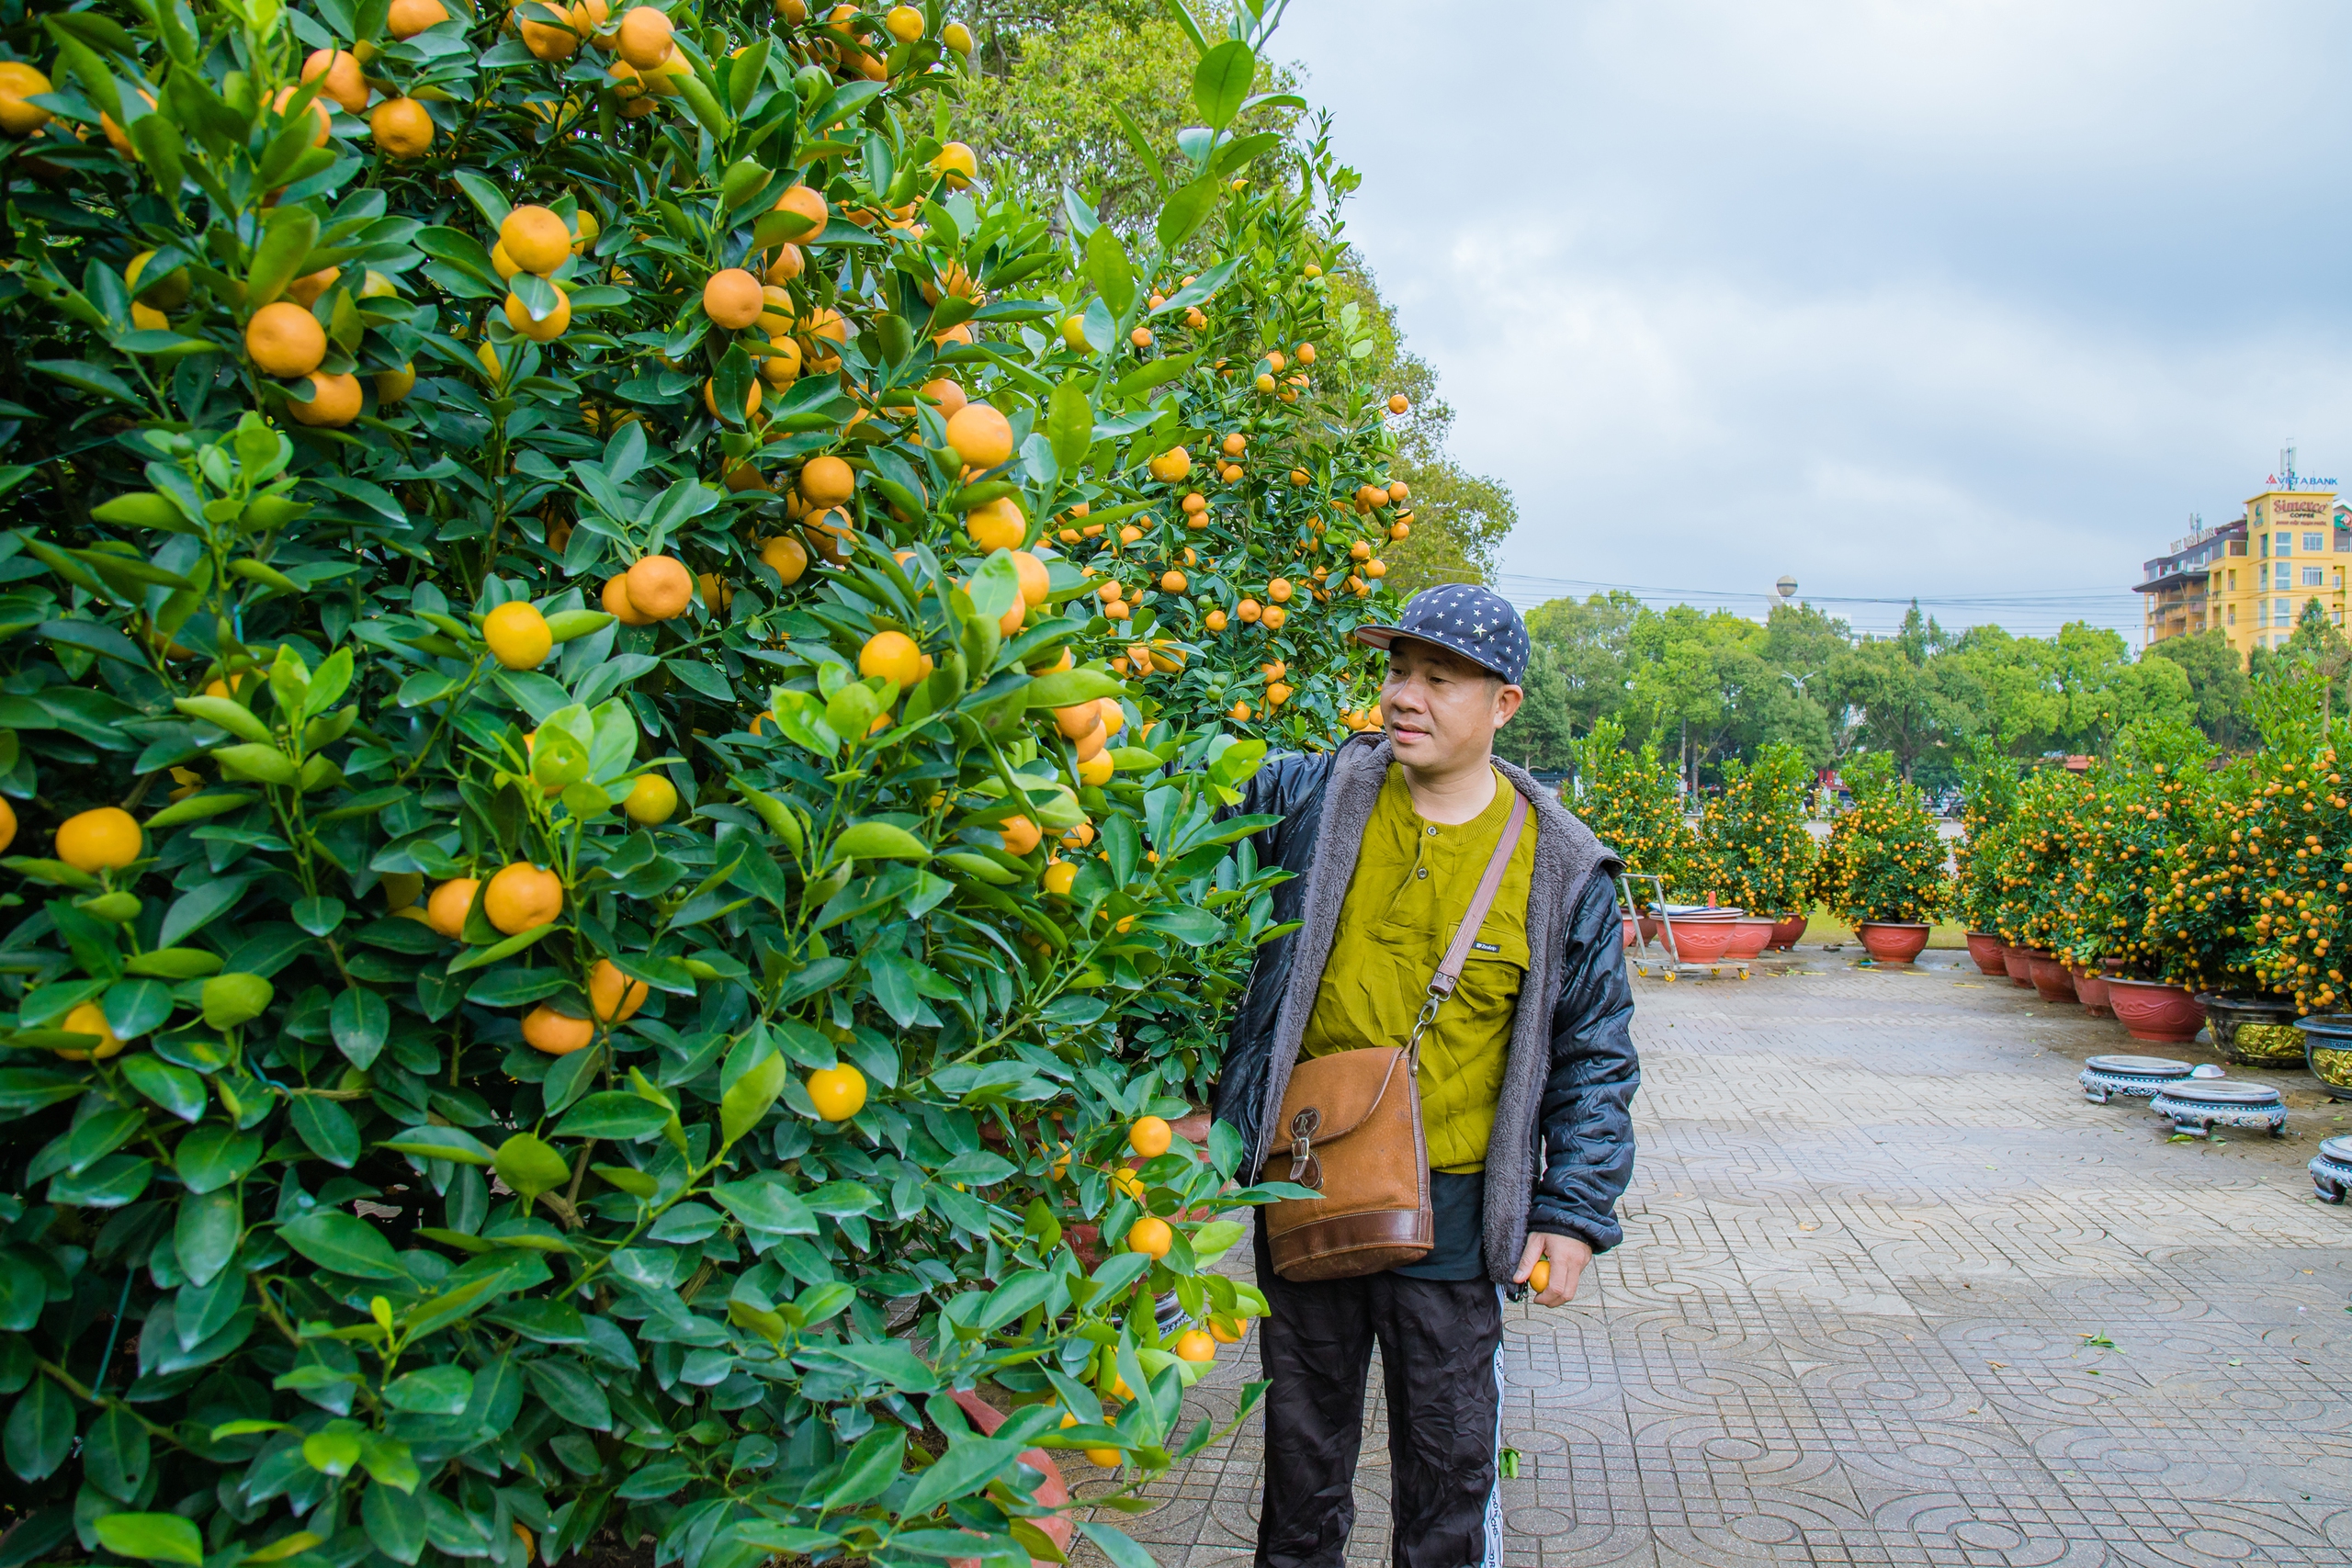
2332 1171
2104 1076
2197 1106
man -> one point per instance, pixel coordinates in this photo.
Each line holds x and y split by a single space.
1526 1077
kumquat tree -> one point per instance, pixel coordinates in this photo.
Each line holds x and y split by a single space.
619 690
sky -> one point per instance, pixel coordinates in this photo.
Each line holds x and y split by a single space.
1973 300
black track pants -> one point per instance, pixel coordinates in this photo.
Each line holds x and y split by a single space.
1438 1343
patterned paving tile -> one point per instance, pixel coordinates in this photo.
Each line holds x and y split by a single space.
1894 1295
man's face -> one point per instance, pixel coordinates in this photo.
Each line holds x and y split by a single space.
1442 709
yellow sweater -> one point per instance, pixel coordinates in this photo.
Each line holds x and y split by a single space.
1412 885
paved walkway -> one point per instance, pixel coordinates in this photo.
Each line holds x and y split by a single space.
1875 1243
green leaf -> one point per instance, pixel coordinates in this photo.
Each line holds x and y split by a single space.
527 1163
750 1097
343 1243
291 231
154 1538
879 841
969 1465
1070 425
176 1089
439 1142
198 807
613 1114
1185 210
869 1470
229 1001
257 763
1221 82
1067 688
1109 270
40 1431
327 1128
173 963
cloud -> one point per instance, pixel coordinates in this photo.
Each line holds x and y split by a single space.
1970 300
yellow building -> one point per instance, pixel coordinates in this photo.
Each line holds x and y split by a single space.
2250 578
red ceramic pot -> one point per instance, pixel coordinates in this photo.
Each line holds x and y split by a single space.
1649 928
1701 941
1893 941
1052 1492
2154 1011
1750 938
1192 1127
1787 933
1986 950
2018 963
1632 930
2053 980
2091 991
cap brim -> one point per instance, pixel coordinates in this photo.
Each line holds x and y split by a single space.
1383 637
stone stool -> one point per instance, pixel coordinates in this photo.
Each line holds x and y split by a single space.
2105 1077
2197 1106
2332 1171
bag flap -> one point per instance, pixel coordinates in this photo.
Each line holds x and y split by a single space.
1343 1088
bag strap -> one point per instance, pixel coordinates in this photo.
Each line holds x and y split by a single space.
1457 952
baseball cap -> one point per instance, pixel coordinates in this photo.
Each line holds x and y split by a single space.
1477 623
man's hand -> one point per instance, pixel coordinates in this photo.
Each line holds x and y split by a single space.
1567 1256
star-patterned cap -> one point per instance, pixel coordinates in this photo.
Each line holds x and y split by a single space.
1480 625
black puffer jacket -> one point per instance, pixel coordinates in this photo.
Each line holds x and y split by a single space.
1578 1154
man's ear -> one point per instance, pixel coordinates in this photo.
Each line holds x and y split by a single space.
1507 701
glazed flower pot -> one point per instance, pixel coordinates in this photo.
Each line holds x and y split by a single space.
1701 941
1986 950
1893 941
2327 1051
2018 963
1750 937
2053 981
1787 933
2090 989
2150 1010
2254 1032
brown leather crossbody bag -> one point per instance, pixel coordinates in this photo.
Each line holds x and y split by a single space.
1353 1119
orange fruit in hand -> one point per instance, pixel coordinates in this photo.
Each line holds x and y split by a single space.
522 897
998 525
618 605
981 436
1151 1237
401 127
659 587
535 238
517 636
613 996
1196 1347
557 1034
645 37
1539 1279
341 71
731 299
827 481
838 1092
1020 835
89 1018
651 800
335 402
285 340
107 839
894 657
446 910
1150 1136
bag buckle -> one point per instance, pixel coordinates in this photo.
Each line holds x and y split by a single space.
1428 1016
1305 1168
